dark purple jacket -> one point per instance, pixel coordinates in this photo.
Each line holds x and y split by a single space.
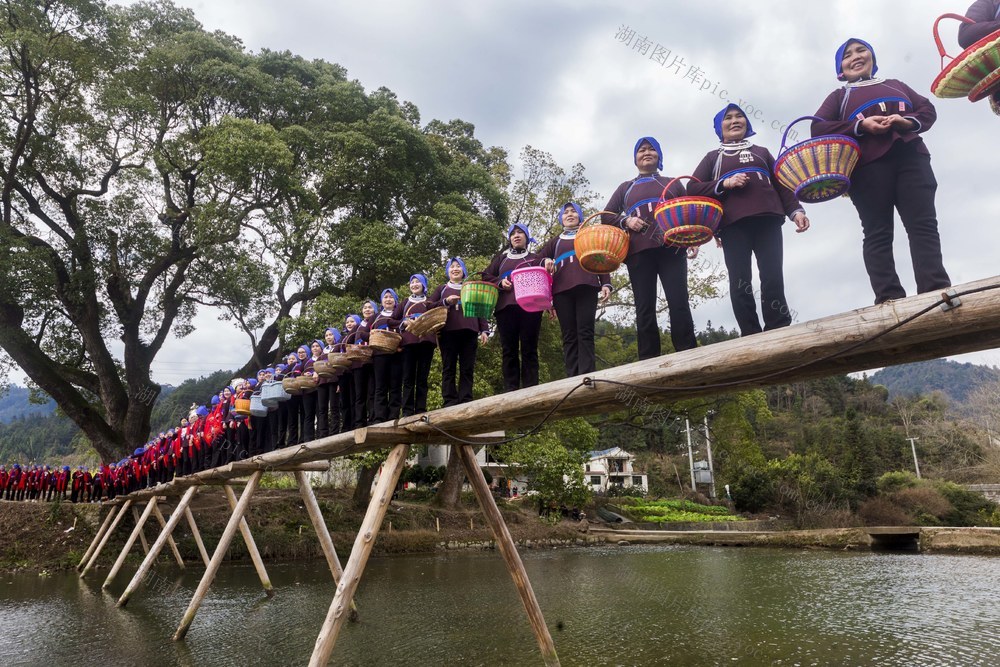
845 108
639 198
500 268
568 273
762 195
405 309
986 14
456 321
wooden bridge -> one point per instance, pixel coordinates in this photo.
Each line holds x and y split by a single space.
963 319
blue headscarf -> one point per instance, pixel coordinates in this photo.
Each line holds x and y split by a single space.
447 266
215 400
576 207
388 290
422 278
321 343
523 227
652 142
375 306
202 411
335 332
722 114
840 56
356 318
304 348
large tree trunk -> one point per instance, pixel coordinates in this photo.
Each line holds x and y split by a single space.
450 490
363 491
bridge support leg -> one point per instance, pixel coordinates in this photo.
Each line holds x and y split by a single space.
197 535
170 539
112 511
158 545
218 555
258 562
142 533
509 551
107 535
323 533
130 542
387 481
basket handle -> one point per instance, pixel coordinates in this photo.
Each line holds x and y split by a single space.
591 217
784 137
663 195
937 36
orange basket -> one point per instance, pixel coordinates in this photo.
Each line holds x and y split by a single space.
600 248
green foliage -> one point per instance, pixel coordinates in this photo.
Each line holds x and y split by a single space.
967 505
895 481
954 379
663 511
552 460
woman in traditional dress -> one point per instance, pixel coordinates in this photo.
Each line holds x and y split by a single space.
457 340
387 366
418 351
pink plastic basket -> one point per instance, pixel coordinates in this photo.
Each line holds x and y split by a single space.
532 288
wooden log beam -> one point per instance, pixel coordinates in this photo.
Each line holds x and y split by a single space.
258 562
335 617
196 533
217 556
158 543
97 538
140 522
142 533
323 533
509 552
170 539
107 535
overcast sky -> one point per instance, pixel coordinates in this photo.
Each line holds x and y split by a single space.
557 76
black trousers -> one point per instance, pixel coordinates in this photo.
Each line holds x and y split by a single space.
293 413
346 384
670 265
577 309
519 331
388 372
281 437
759 236
309 401
903 180
458 358
327 409
364 386
417 359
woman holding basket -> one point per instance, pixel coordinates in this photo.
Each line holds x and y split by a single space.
739 174
418 351
387 366
648 259
457 339
887 117
575 293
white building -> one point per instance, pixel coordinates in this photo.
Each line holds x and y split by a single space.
613 467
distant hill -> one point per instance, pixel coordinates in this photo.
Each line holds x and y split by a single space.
955 380
15 404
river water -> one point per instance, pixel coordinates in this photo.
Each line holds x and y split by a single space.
657 605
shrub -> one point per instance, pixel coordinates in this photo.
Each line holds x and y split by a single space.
896 480
925 504
880 511
966 504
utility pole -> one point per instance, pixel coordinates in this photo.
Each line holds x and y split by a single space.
711 467
687 425
913 447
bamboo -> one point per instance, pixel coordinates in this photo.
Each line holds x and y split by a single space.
98 536
217 556
258 562
323 533
170 539
142 533
391 470
197 534
104 540
509 552
158 543
140 522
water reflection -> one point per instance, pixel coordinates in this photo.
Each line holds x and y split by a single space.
605 606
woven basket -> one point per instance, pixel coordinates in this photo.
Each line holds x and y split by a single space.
600 248
361 354
241 406
326 369
968 69
306 383
273 393
338 359
430 322
383 340
479 298
291 386
687 221
817 169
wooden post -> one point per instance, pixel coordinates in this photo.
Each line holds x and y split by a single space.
158 543
323 533
258 562
97 538
197 534
509 551
218 555
107 535
142 533
130 541
391 470
170 539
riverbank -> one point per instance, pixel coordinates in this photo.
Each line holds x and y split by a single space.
53 536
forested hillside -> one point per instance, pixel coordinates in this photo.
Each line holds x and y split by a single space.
953 379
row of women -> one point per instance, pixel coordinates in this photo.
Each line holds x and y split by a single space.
44 483
885 116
